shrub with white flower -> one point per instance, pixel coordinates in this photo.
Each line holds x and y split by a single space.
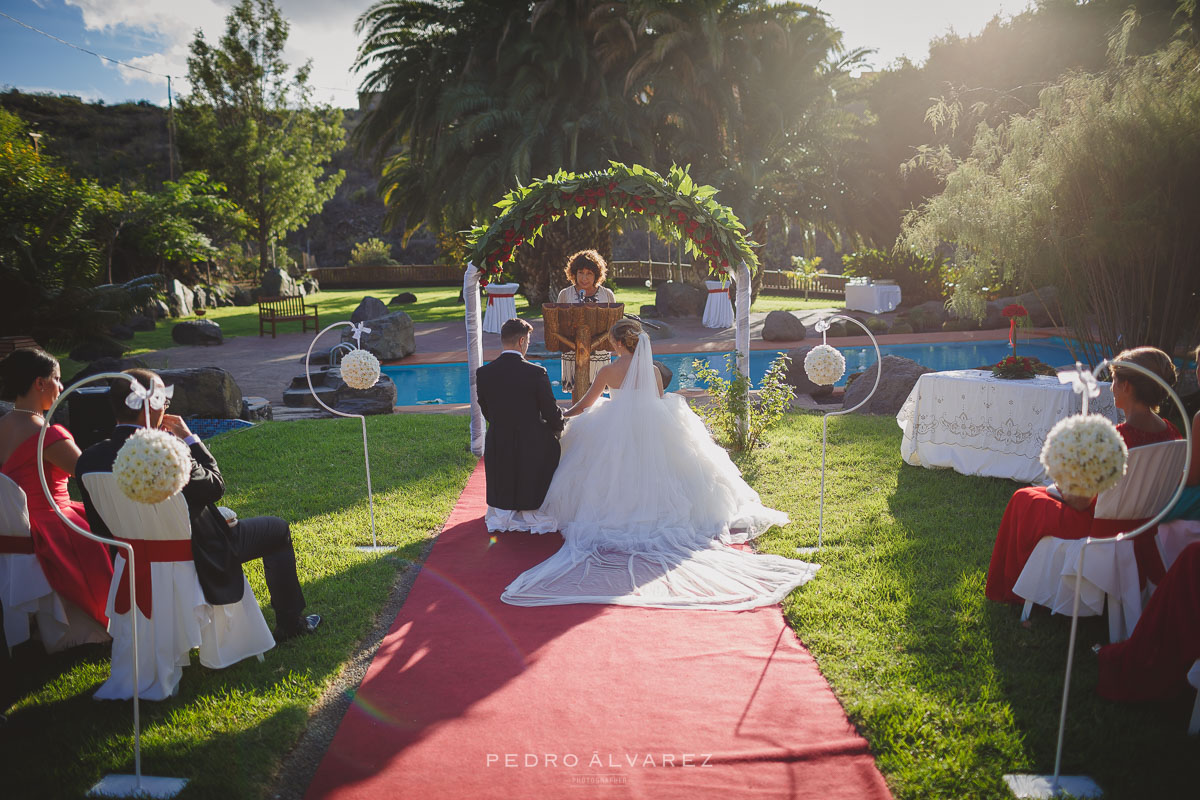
1084 455
360 369
825 365
152 466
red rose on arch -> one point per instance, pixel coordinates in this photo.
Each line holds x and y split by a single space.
1014 310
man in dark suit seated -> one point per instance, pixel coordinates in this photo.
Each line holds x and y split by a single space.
524 422
218 549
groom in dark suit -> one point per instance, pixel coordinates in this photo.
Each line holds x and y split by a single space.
218 549
524 423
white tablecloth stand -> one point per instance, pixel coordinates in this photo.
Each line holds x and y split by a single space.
501 305
718 311
981 425
874 298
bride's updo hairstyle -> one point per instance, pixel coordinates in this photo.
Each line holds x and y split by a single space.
20 368
625 331
1145 389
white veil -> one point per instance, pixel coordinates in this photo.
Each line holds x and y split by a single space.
640 377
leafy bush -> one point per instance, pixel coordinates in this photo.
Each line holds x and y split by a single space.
876 325
723 415
901 327
919 278
370 253
837 329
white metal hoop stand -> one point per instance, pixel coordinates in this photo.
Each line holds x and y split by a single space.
374 547
1081 785
136 784
823 327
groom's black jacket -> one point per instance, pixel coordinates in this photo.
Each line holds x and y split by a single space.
524 422
217 566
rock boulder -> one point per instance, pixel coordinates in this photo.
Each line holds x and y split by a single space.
369 308
105 365
680 300
277 283
782 326
898 377
379 399
97 348
392 335
205 392
197 331
403 299
180 299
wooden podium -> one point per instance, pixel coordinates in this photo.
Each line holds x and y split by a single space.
573 327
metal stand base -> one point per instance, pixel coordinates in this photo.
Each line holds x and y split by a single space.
807 550
1043 786
374 548
127 786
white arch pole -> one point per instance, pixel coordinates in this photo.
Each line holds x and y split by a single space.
823 326
1082 785
374 546
474 354
137 783
742 338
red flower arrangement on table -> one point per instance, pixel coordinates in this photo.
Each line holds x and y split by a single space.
1014 312
673 205
1015 367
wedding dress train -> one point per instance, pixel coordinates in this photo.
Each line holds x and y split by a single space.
648 506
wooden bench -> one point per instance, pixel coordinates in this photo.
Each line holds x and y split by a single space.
10 343
272 310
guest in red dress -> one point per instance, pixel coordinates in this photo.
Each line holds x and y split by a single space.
77 568
1153 663
1034 513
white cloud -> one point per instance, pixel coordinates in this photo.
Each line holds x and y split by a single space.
319 30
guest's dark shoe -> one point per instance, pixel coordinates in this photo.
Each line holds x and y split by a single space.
306 626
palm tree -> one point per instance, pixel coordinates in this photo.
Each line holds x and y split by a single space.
456 125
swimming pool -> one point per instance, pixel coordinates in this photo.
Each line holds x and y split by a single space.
420 384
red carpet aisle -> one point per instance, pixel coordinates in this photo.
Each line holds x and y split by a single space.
471 698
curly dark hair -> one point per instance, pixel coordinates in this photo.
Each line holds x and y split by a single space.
1145 389
589 260
20 368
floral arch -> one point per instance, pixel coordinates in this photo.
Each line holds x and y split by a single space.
672 206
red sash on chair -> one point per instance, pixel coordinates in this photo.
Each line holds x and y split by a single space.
491 296
16 545
145 553
719 291
1145 548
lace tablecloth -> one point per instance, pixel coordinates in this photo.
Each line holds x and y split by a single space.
981 425
718 312
874 298
501 305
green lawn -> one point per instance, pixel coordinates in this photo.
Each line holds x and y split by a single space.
950 690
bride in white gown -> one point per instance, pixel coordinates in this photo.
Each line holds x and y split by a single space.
648 504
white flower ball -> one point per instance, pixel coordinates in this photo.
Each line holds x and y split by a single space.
1084 455
152 466
825 365
360 369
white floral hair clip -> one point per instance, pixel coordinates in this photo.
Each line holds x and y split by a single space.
139 395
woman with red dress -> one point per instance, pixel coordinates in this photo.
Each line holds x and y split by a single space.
77 568
1034 513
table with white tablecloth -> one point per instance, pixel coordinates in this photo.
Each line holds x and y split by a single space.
501 305
718 311
874 298
982 425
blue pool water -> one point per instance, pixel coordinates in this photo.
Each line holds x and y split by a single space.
447 383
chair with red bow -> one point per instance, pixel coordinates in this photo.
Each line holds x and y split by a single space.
172 614
1116 571
24 590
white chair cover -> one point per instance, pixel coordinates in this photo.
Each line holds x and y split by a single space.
181 617
1109 570
1174 536
718 311
474 354
25 592
501 305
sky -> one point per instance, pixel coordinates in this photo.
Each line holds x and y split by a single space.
154 35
